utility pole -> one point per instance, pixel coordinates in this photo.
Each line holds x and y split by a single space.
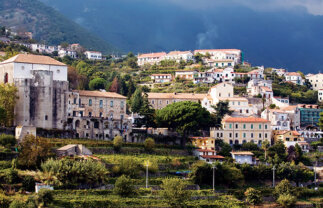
213 167
147 164
274 168
315 173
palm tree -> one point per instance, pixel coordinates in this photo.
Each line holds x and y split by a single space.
265 145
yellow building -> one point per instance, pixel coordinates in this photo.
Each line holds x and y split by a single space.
287 136
205 143
239 130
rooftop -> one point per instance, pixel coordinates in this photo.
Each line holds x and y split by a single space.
33 59
88 93
152 55
246 120
212 156
242 153
188 96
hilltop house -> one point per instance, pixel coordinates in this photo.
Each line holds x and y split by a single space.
316 81
279 119
294 77
93 55
179 56
161 78
150 58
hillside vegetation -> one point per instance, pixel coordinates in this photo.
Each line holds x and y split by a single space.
47 25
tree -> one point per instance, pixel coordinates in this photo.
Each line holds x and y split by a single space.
128 167
174 192
117 143
33 151
131 88
201 173
253 196
17 204
221 109
225 150
284 187
3 116
8 98
97 84
124 187
147 113
184 117
278 149
149 144
137 101
250 146
44 197
291 153
265 145
286 200
114 86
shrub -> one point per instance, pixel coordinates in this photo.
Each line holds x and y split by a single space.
4 201
7 140
117 143
11 176
149 144
253 196
17 204
286 200
284 187
5 164
174 192
44 197
129 167
28 183
124 187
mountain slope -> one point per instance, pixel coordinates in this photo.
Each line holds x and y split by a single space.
47 24
289 38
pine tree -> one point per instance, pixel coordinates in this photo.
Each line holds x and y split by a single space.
114 86
136 101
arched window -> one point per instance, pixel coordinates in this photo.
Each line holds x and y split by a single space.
5 80
236 142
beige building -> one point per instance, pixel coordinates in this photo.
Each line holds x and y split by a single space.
187 75
316 81
161 100
42 88
98 114
239 130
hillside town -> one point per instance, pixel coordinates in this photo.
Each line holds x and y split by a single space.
203 109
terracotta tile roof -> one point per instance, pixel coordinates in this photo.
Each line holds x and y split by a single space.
242 153
161 75
218 70
267 89
289 108
212 156
254 72
174 53
293 74
246 120
234 99
33 59
88 93
282 132
152 55
184 96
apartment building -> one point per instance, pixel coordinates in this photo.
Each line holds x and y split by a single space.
239 130
279 119
179 56
150 58
316 81
93 55
98 114
161 78
294 77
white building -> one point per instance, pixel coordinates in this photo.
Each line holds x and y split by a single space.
259 86
316 81
294 77
150 58
224 92
222 54
93 55
203 77
243 157
218 62
294 116
161 78
70 53
280 102
279 119
320 95
279 72
41 48
179 56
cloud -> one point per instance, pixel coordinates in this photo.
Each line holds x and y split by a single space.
207 39
314 7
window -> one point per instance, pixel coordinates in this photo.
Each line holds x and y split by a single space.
266 126
251 135
260 135
101 114
121 117
101 104
153 102
230 135
265 135
244 126
5 78
230 126
90 102
46 117
231 142
75 100
90 114
111 103
122 104
244 135
237 126
259 126
237 135
251 126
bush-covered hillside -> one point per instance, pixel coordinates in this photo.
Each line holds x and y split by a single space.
47 25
